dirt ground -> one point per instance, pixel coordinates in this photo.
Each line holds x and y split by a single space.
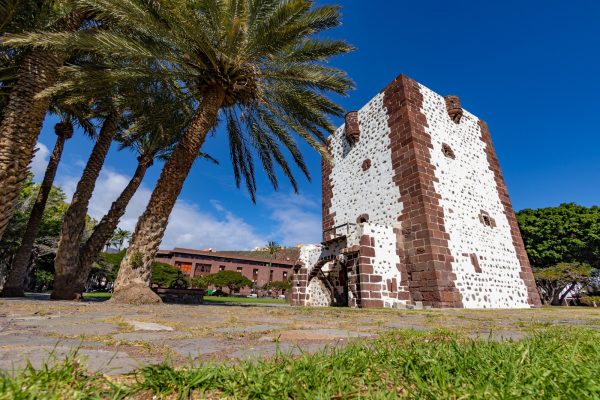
115 339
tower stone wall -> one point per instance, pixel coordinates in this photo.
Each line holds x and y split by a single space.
415 211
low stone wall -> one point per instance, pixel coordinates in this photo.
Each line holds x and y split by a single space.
181 296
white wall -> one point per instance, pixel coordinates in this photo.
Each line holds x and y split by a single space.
467 186
373 192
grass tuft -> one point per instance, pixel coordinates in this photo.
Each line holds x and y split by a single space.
551 363
57 380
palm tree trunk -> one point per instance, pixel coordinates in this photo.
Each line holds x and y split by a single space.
66 262
23 117
133 281
14 286
103 231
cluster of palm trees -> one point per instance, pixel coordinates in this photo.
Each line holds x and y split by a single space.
158 76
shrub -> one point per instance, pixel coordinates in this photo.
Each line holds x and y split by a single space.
198 282
556 282
593 301
232 280
165 275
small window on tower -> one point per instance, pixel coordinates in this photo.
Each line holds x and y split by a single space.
362 218
448 152
486 219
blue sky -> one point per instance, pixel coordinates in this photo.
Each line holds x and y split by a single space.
529 68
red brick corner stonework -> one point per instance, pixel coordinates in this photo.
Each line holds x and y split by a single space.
424 248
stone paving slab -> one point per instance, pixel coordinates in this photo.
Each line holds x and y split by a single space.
148 326
193 348
18 339
318 334
108 362
145 336
248 329
58 326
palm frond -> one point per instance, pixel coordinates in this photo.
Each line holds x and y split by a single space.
241 157
268 56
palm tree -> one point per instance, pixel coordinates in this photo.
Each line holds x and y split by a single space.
24 111
151 139
69 114
74 223
257 63
14 286
273 247
121 235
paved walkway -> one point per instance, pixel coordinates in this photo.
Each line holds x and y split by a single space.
115 339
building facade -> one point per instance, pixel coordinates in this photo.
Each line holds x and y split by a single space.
200 263
415 212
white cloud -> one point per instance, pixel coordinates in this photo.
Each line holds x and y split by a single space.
40 161
298 218
189 225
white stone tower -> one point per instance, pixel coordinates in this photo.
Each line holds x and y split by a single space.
415 211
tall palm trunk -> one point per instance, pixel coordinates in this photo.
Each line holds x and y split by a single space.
14 286
23 117
66 262
103 231
133 280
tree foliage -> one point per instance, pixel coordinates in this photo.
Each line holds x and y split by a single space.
232 280
166 275
47 238
273 247
267 56
107 265
555 283
199 282
278 286
119 237
19 16
568 233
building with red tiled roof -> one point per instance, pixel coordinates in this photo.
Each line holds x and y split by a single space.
259 269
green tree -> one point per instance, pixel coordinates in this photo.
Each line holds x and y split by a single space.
14 286
119 237
166 275
273 247
556 282
199 282
260 64
46 240
232 280
278 287
567 233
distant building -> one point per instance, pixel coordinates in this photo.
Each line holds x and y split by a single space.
259 270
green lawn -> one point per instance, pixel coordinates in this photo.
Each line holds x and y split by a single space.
554 363
261 300
97 295
207 299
